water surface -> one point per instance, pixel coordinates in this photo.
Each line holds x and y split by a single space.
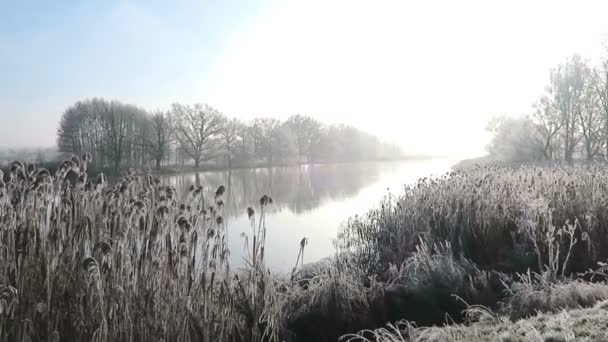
310 201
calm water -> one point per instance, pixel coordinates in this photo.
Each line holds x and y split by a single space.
310 201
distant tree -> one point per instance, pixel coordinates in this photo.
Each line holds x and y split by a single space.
160 138
568 82
263 133
514 140
196 128
328 148
114 125
230 137
591 117
106 129
548 124
246 143
601 86
283 147
122 135
307 132
70 137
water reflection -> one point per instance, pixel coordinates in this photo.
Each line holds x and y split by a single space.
309 201
298 189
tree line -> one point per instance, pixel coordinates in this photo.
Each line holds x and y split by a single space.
120 135
569 121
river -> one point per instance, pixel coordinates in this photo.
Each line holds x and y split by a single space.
309 201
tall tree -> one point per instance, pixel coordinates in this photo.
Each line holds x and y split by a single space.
590 116
602 93
548 124
568 82
229 134
263 132
106 129
160 139
69 134
283 148
307 132
514 140
196 127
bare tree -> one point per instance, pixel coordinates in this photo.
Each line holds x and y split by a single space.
115 129
109 130
283 148
307 132
514 140
121 135
548 123
160 139
263 137
69 134
230 138
195 129
601 86
246 143
568 82
590 116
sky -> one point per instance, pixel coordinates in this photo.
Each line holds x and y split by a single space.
427 75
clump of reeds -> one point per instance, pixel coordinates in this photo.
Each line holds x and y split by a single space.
499 218
492 238
82 261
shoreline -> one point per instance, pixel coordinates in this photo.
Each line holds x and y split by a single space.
217 168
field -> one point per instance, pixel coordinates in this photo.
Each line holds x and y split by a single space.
493 253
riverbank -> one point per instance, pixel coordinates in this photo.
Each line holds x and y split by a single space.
171 170
52 166
489 244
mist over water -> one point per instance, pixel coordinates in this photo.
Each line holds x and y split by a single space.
310 201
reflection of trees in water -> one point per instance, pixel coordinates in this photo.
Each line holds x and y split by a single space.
297 188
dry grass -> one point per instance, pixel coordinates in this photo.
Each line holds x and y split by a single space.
499 218
534 294
534 230
584 325
81 261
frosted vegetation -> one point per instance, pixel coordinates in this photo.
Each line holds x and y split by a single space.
514 254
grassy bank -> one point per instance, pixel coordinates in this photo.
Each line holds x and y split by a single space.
578 324
479 250
501 241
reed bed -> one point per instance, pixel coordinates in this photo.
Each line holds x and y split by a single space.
82 261
507 219
515 249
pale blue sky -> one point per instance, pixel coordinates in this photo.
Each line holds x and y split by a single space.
151 53
425 74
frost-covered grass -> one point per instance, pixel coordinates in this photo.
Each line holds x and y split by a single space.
501 218
584 325
82 261
571 310
478 250
492 243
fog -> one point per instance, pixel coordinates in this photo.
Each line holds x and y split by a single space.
425 75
